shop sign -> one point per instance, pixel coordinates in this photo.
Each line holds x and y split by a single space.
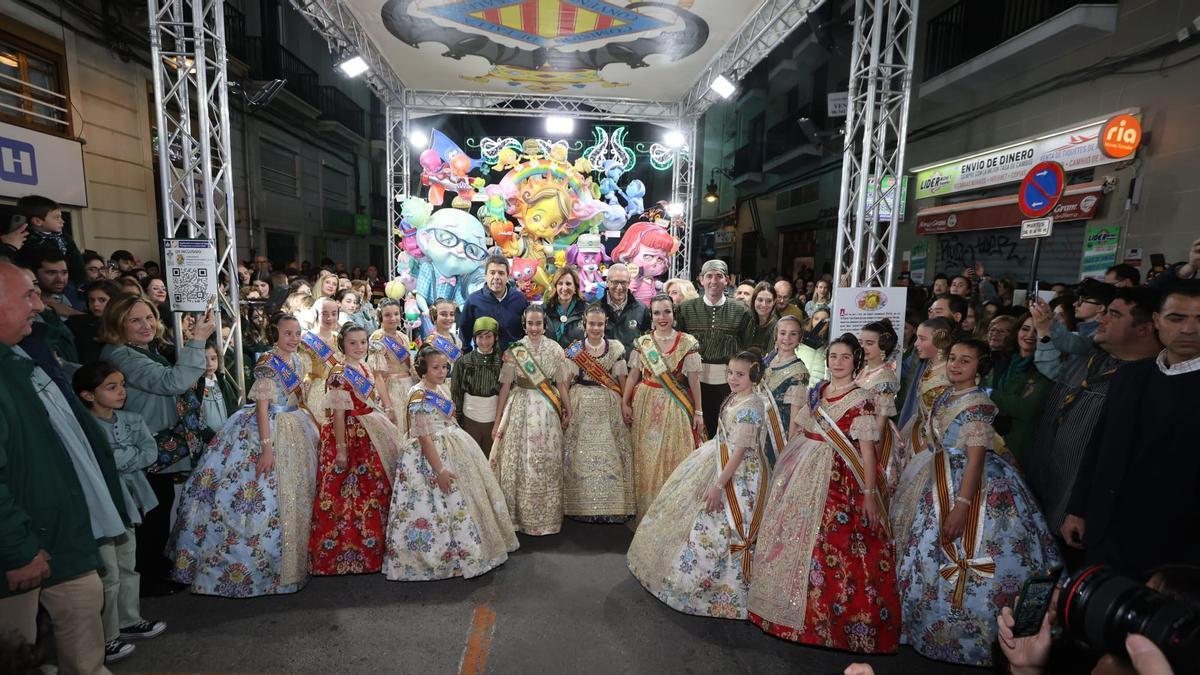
35 163
723 238
1120 136
1100 244
1000 213
1075 149
885 205
920 256
837 103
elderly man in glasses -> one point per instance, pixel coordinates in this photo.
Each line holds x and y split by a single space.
627 318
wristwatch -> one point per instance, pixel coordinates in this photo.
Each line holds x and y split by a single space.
1045 339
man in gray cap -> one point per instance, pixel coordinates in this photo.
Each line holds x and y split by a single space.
724 327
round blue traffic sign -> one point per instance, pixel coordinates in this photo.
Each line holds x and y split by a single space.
1041 189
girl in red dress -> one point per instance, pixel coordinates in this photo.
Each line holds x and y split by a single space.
824 567
358 455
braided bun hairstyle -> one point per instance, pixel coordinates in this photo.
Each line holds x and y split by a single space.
851 341
346 329
755 363
944 333
887 336
421 363
983 354
273 327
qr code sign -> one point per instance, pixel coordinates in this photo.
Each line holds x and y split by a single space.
189 284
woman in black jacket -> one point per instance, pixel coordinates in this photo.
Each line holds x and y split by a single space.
564 308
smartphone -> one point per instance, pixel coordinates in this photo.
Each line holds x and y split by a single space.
212 304
1033 292
1033 603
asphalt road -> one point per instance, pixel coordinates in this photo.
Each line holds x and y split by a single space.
564 603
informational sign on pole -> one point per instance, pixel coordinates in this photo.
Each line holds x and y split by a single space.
191 273
854 308
920 256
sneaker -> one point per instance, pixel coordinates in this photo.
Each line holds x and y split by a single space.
143 630
115 650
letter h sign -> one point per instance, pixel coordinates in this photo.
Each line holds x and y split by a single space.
18 162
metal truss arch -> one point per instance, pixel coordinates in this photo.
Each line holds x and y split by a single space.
334 21
195 168
880 86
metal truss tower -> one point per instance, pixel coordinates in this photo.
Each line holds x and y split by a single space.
195 168
881 61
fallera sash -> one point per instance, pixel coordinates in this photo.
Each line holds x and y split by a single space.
657 366
287 374
845 449
395 347
964 559
359 380
776 435
735 511
524 360
445 346
315 343
443 404
591 367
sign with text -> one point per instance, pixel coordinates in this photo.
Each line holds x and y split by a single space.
33 163
920 261
837 103
1037 228
854 308
1075 149
1100 244
994 214
1120 136
886 188
191 273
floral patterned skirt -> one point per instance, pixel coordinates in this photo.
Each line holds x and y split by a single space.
1014 535
597 458
239 535
847 580
528 462
350 510
434 535
680 552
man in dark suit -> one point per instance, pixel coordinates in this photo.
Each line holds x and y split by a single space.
1136 501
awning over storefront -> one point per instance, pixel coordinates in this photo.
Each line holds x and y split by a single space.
1079 202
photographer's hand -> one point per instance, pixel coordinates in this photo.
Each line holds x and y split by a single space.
1147 658
1026 655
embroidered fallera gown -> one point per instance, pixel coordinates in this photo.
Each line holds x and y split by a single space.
951 594
435 535
823 575
528 458
597 452
787 380
239 535
932 384
662 430
883 385
392 373
317 369
695 561
350 509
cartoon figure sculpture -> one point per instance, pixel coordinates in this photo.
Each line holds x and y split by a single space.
586 254
444 168
635 197
648 247
451 242
530 277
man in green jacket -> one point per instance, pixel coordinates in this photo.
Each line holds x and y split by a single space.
47 530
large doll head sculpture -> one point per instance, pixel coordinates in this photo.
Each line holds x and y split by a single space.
453 241
647 246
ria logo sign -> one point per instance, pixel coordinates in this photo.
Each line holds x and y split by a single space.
18 162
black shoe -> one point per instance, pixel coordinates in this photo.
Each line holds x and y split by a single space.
115 650
143 630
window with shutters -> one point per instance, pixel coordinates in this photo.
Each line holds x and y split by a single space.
280 168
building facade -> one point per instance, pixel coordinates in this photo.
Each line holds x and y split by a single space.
80 82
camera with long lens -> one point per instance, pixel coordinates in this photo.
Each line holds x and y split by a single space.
1100 608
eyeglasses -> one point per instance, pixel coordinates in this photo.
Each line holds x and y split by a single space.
450 240
1088 301
618 283
998 331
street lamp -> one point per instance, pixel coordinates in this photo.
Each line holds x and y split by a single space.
710 191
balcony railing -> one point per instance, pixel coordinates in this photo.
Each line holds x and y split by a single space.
235 32
269 61
969 28
748 160
338 107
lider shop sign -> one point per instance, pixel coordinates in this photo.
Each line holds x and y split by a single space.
1074 148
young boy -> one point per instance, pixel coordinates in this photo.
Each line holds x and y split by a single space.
45 220
101 387
475 384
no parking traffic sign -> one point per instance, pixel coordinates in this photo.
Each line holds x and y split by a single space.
1041 189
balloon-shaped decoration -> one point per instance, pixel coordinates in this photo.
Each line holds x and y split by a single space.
395 289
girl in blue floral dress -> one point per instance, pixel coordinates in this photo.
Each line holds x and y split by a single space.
968 527
246 510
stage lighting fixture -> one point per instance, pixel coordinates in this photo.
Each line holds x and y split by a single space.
675 209
353 65
418 139
674 139
559 125
723 86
